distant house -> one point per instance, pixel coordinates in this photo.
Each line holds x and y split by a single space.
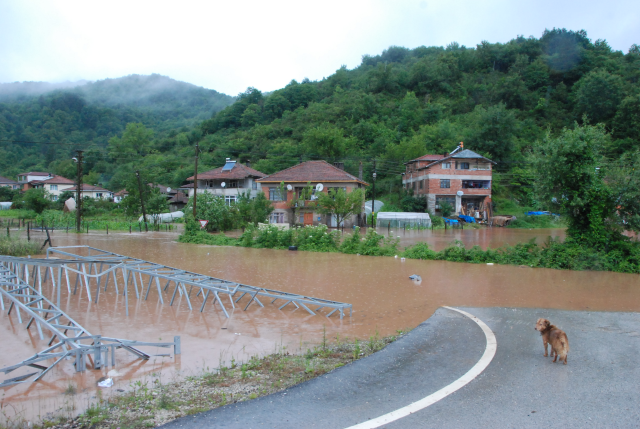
228 181
295 179
25 179
8 183
93 192
118 196
178 201
461 179
54 185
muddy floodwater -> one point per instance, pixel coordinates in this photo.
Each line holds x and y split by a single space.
383 298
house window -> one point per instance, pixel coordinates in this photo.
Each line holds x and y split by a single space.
446 165
276 195
277 218
229 199
445 199
54 197
254 185
476 184
99 195
301 219
421 184
53 187
445 183
462 165
232 184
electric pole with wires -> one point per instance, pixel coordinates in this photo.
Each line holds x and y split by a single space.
195 184
144 213
78 160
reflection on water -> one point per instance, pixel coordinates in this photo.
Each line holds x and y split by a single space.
383 296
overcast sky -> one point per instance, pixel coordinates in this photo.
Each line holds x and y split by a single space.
232 44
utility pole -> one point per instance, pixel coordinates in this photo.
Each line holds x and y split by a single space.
373 201
195 184
144 213
79 192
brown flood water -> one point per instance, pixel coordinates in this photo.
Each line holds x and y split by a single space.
383 298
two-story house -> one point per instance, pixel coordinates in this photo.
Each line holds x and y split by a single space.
294 180
25 179
54 185
228 181
461 179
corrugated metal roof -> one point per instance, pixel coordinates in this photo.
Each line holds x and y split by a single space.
466 154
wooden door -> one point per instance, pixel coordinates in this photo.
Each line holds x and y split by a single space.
308 219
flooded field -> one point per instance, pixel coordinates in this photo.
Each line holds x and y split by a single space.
383 298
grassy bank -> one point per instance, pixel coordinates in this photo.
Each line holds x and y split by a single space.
623 256
152 403
16 247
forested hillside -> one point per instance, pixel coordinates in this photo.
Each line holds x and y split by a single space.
86 115
500 99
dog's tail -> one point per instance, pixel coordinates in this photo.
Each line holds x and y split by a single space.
565 346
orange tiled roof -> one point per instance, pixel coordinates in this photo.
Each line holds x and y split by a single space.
311 171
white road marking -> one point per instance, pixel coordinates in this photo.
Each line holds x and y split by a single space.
476 370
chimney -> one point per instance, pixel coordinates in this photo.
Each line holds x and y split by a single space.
339 165
360 171
248 163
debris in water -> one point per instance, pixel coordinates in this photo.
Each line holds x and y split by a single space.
415 277
402 259
106 383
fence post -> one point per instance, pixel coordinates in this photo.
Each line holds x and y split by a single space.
107 229
28 232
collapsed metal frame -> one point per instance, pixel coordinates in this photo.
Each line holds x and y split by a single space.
24 297
104 263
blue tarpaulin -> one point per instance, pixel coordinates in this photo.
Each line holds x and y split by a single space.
467 219
541 214
450 221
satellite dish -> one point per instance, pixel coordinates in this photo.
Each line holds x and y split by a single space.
319 187
168 189
459 193
223 184
289 188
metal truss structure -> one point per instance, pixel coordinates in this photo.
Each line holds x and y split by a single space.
68 339
91 263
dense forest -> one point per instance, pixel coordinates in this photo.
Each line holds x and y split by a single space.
86 116
500 99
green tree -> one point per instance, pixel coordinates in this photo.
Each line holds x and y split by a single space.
34 199
325 140
7 194
253 210
598 197
135 141
212 208
154 202
341 204
598 95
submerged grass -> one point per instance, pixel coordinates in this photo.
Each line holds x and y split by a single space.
17 247
622 256
152 404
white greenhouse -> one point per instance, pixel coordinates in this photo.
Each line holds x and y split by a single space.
401 220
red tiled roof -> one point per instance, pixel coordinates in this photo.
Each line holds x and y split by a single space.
427 158
5 180
34 173
121 193
56 180
90 188
311 171
188 185
239 171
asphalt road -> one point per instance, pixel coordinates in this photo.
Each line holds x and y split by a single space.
520 388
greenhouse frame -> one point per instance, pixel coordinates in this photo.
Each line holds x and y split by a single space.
402 219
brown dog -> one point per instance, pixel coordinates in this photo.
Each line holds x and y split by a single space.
555 336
